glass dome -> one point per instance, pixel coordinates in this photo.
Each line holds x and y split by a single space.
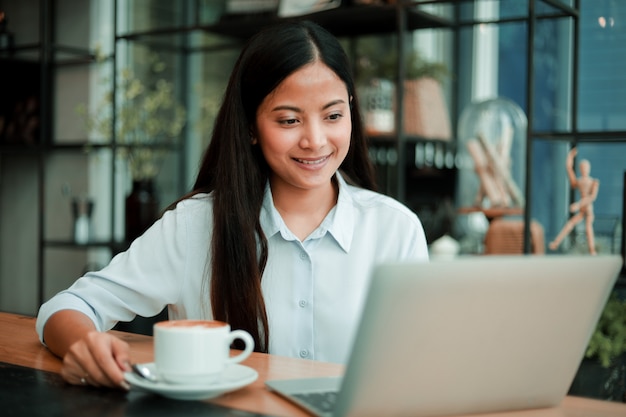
491 155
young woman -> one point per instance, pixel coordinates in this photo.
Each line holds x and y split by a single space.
278 236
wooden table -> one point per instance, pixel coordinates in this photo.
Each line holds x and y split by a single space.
19 345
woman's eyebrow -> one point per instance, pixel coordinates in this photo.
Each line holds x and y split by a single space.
286 107
333 103
299 110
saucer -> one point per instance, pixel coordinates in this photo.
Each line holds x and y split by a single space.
234 377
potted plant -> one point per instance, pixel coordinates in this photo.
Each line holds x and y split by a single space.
425 111
148 122
602 373
147 118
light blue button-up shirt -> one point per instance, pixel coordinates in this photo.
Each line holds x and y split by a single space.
314 289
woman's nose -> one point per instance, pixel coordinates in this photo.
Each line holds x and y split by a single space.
313 137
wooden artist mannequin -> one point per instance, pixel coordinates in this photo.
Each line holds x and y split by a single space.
583 208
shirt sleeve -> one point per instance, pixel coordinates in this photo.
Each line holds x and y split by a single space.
396 230
140 281
416 246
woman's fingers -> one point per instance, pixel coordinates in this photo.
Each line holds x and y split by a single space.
98 359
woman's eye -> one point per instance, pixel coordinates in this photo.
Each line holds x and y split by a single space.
335 116
288 121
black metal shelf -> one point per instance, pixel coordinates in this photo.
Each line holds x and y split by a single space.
60 54
343 22
19 149
582 136
114 245
232 31
78 146
390 139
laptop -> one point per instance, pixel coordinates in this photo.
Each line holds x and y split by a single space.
471 335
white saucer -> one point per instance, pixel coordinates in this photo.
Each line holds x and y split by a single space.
234 377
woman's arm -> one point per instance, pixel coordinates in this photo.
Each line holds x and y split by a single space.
89 357
64 328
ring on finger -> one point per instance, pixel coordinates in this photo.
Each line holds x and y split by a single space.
83 380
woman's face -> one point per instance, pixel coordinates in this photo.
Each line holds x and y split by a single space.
303 128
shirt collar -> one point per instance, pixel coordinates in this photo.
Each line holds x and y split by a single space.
339 222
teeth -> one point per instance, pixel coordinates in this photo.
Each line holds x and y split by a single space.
317 161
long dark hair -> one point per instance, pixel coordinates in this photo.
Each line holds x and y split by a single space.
236 173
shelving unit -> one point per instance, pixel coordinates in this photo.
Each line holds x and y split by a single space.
202 49
53 38
193 37
24 224
423 187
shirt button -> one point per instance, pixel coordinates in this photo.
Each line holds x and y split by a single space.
302 255
302 303
304 353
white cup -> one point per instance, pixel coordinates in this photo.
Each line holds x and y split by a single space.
196 351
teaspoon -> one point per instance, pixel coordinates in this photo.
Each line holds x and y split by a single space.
144 372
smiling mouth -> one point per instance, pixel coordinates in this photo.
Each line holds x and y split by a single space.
312 162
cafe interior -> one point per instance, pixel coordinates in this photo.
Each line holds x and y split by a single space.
471 109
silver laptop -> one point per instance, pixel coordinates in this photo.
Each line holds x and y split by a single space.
472 335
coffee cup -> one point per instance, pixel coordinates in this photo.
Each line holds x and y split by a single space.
196 351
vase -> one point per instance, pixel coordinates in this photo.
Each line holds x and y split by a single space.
82 209
141 208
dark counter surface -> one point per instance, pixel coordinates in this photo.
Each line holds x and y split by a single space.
27 392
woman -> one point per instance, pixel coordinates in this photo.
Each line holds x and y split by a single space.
273 239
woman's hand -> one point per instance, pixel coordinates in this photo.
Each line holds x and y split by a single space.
89 357
98 359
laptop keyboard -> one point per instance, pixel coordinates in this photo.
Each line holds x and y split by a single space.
323 401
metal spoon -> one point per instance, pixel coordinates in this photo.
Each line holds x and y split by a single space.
144 372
